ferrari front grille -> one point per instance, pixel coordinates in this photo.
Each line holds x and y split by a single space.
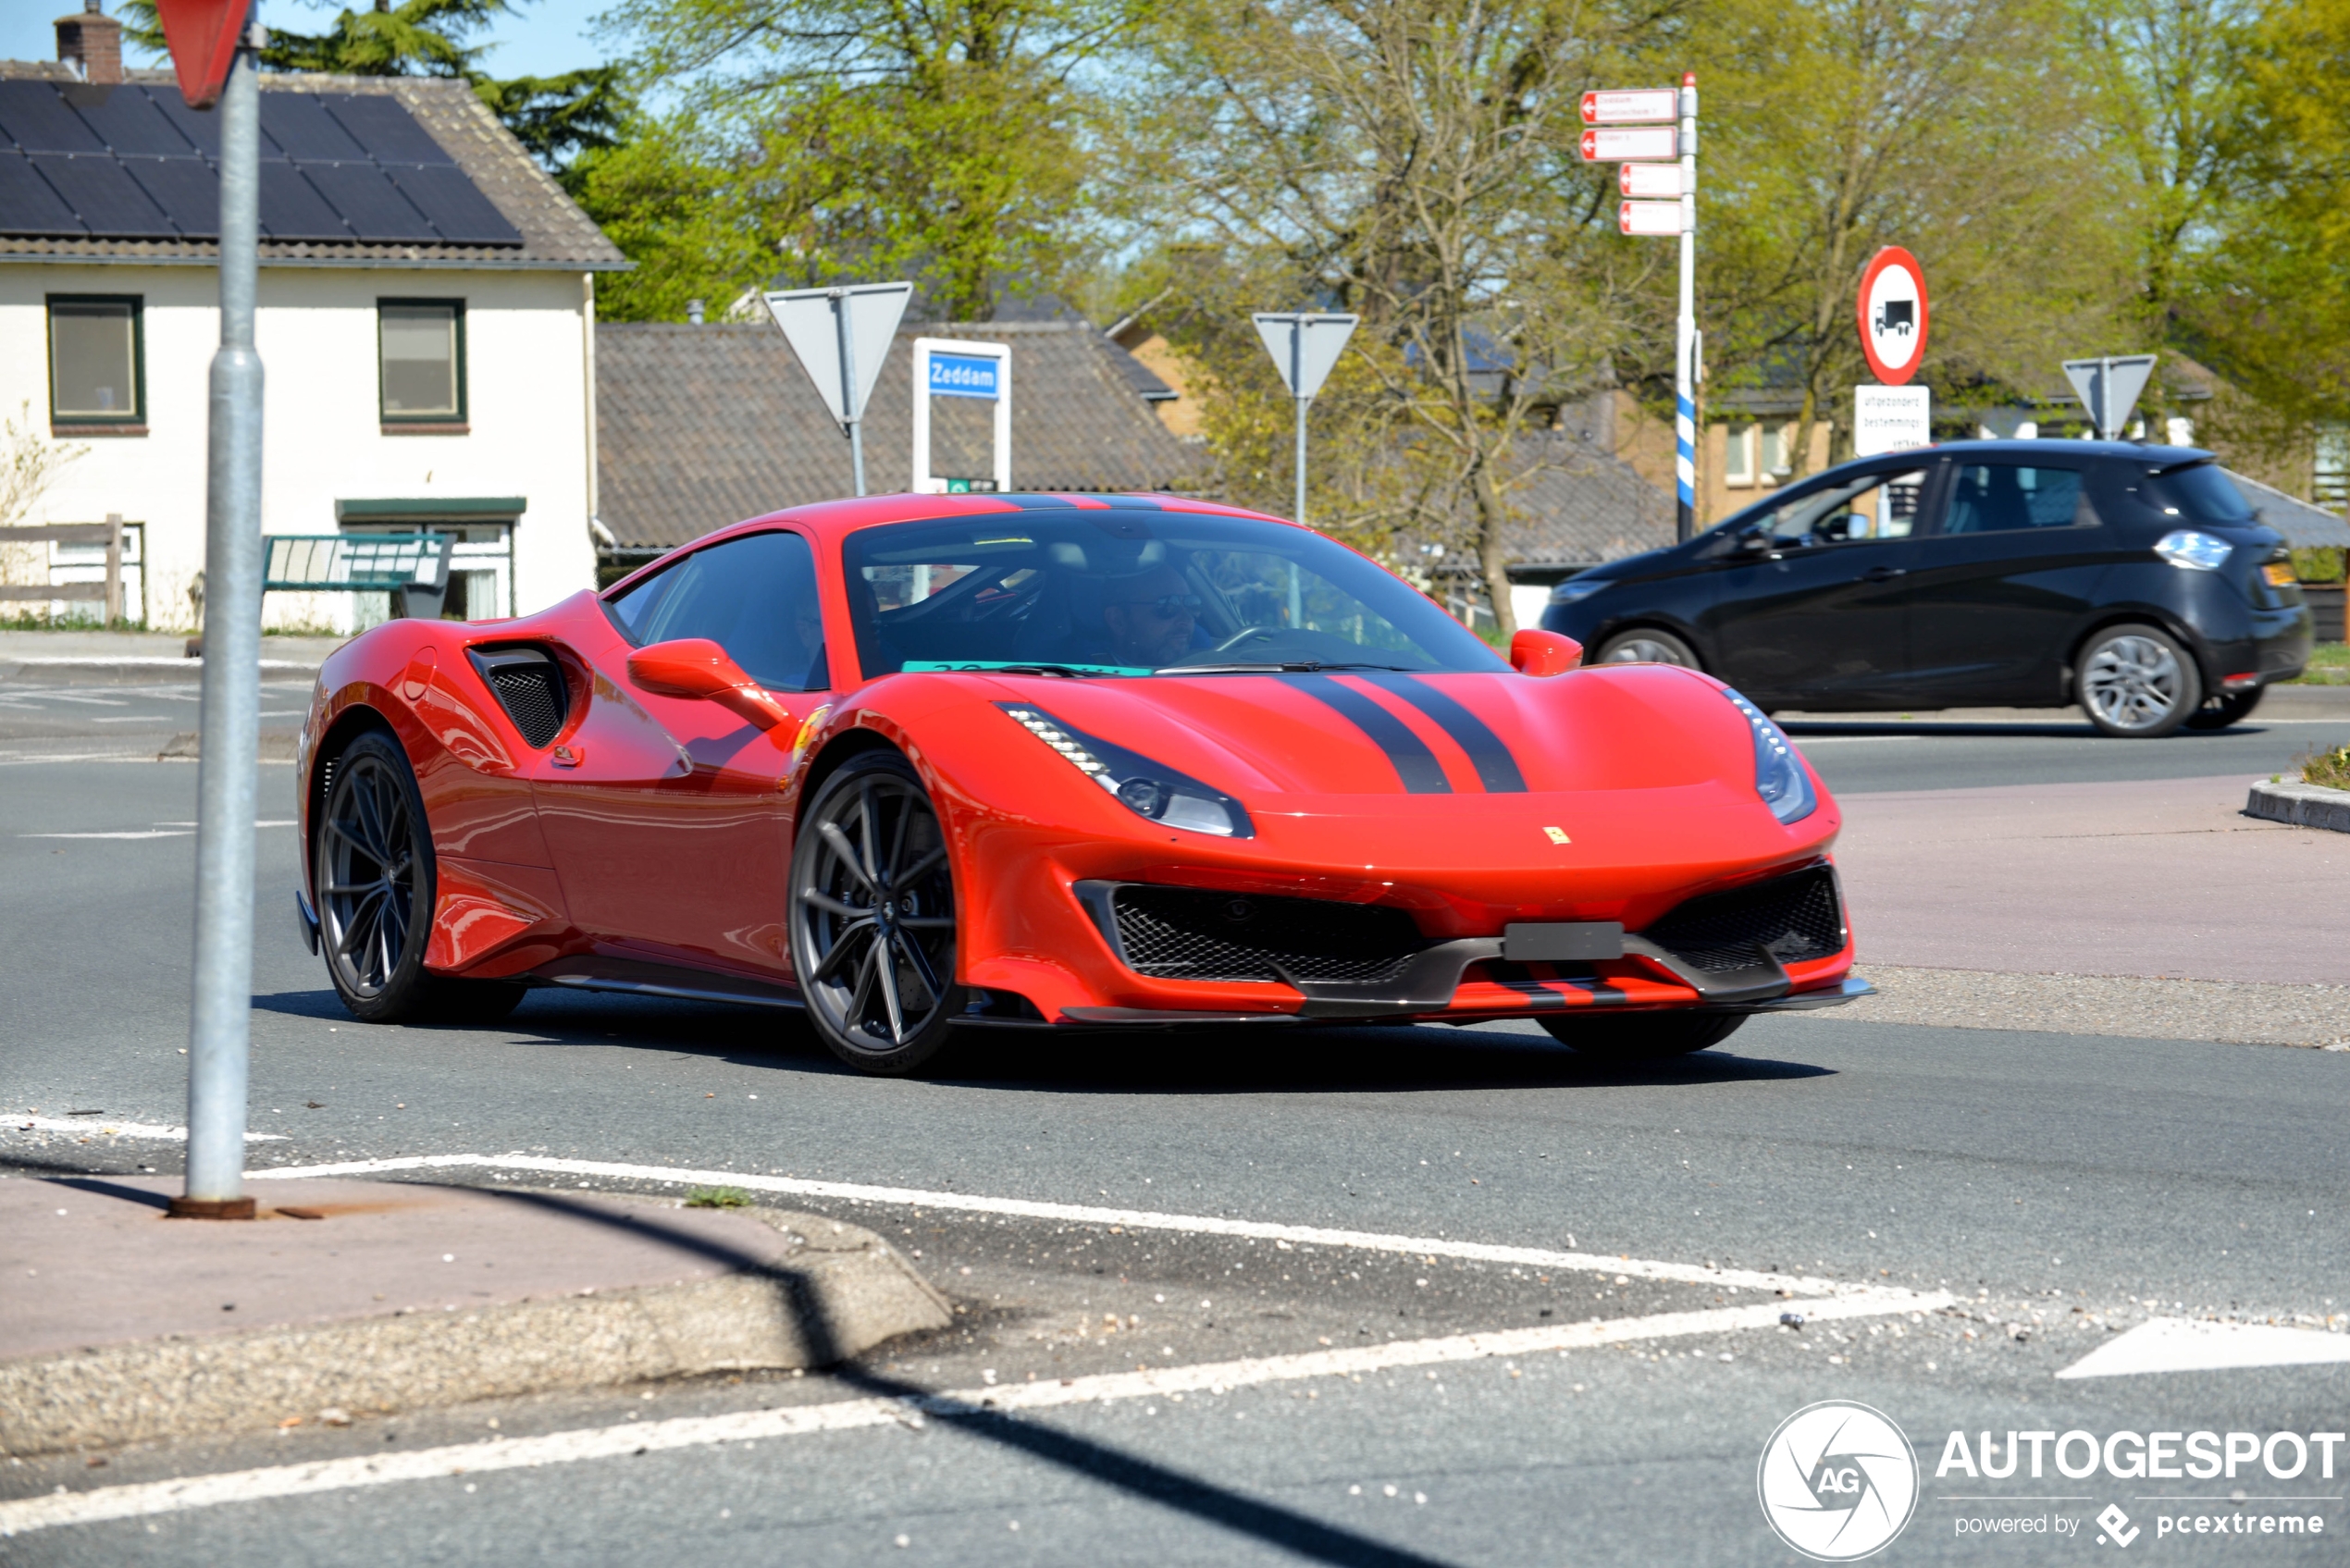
529 685
1791 918
1181 933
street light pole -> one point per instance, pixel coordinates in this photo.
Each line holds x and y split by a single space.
220 1026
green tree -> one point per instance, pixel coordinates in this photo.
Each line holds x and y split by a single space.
944 140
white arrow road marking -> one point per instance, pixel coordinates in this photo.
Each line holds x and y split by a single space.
2178 1344
634 1438
1082 1214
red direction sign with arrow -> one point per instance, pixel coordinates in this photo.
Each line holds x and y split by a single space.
1645 106
1609 146
1893 314
203 36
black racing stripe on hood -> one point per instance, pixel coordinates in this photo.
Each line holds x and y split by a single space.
1414 763
1496 769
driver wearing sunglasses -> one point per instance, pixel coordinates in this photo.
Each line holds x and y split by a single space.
1151 617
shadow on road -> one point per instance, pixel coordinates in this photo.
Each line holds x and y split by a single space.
1334 1059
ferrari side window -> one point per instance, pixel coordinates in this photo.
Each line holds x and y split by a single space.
755 596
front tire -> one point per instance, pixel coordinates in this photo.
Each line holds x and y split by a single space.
1646 645
374 869
2136 682
1640 1037
872 917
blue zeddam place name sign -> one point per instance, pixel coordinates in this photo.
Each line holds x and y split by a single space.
965 376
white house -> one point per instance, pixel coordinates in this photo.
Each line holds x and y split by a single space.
427 327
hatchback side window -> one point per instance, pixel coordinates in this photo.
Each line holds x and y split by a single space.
755 596
1995 498
1868 506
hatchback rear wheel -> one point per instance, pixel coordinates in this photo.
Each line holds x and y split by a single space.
2136 682
1646 645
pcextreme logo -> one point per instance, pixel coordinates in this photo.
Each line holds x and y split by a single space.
1838 1481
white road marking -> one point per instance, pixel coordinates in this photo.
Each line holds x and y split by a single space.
119 1129
2178 1344
147 832
190 1492
1086 1213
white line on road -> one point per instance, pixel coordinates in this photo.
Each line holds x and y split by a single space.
121 1128
634 1437
1086 1213
149 833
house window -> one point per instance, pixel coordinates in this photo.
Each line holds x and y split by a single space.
1775 445
1737 455
422 350
2331 489
97 373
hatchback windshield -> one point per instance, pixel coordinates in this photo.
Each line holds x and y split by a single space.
1135 593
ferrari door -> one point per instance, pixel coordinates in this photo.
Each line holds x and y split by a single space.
662 813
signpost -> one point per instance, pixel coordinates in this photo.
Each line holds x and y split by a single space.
1305 345
2109 387
1893 316
945 367
842 337
1661 199
213 51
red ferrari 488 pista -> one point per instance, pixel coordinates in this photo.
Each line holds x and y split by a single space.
920 764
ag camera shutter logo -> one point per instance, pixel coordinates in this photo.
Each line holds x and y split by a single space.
1838 1481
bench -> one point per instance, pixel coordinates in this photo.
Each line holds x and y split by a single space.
412 568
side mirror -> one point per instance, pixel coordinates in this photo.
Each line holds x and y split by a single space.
697 667
1543 653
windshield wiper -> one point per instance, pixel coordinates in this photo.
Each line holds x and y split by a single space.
1290 667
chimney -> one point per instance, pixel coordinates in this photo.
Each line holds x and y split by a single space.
694 312
91 44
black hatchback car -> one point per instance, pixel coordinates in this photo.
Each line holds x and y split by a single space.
2134 580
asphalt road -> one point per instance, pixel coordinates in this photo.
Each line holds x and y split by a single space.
2062 1187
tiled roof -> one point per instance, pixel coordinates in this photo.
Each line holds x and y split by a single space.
700 426
1574 505
2303 526
556 235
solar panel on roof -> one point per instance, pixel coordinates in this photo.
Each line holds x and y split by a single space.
127 120
299 124
383 125
462 213
186 189
292 211
368 202
108 202
201 126
36 119
27 203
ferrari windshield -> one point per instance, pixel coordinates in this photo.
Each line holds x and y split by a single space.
1106 592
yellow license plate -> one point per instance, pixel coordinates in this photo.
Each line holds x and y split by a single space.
2280 573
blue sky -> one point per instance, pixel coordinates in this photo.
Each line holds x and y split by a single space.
548 36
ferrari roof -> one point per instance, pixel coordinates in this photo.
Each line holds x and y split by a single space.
697 426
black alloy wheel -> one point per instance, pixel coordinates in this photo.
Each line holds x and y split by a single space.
375 896
872 921
1640 1037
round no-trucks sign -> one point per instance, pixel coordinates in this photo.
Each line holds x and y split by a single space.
1893 316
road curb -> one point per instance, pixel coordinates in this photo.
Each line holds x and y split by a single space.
832 1292
134 671
188 747
2303 805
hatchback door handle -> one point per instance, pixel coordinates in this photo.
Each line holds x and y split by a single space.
1884 574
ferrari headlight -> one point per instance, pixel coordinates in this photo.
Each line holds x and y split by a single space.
1780 777
2191 550
1146 788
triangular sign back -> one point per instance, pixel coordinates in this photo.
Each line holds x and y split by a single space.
2108 406
203 36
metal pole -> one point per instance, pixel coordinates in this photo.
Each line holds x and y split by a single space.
1685 328
220 1031
1300 517
2107 426
848 386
